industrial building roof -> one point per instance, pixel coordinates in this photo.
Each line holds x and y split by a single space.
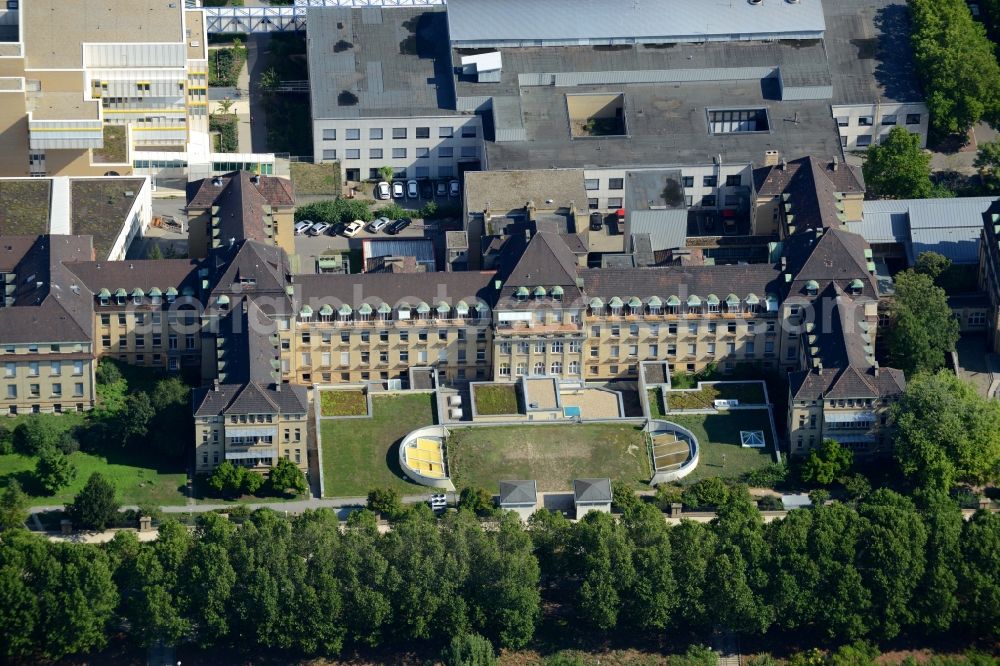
666 93
487 22
951 227
372 62
868 46
420 249
505 191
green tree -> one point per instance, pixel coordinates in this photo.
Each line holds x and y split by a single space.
155 252
891 559
712 491
945 431
226 479
285 477
650 601
333 211
605 569
932 264
897 168
937 596
108 372
469 650
385 501
386 172
923 329
550 534
693 546
132 423
13 506
858 653
623 497
477 500
840 599
979 574
95 506
37 433
54 470
988 163
826 463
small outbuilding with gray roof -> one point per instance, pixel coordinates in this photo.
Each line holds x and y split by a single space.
520 497
591 495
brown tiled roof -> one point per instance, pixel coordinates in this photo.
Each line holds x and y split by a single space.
811 186
546 261
203 193
250 398
130 274
849 382
682 281
836 256
51 304
377 288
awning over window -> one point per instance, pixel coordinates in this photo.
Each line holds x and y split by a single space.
345 309
557 291
423 308
444 308
654 301
540 291
326 310
752 299
104 293
224 300
693 301
732 299
461 307
634 302
712 299
385 308
673 300
155 292
596 303
521 291
365 309
246 455
306 311
121 293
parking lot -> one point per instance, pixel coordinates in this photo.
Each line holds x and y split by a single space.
310 247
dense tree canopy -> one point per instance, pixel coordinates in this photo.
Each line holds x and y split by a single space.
923 330
308 586
826 462
947 432
897 168
95 506
956 63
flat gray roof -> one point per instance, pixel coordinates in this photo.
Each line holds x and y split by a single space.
486 22
371 62
868 45
668 90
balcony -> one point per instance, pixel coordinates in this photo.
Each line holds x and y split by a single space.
536 328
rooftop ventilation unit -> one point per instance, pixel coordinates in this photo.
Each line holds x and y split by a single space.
485 66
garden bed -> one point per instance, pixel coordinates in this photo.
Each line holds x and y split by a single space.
747 393
343 403
115 150
495 399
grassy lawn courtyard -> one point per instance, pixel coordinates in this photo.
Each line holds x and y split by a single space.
495 399
748 393
361 454
135 480
551 455
653 395
343 403
719 441
316 179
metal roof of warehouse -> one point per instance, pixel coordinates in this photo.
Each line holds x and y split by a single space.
951 227
568 21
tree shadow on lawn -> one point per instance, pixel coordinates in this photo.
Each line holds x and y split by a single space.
392 463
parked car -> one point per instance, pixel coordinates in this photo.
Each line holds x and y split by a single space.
397 190
398 225
382 190
378 225
426 189
454 189
441 189
318 229
352 229
596 222
336 229
412 190
302 227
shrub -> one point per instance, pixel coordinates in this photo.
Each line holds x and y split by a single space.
108 373
769 476
6 440
13 506
856 485
68 443
623 497
709 492
667 494
385 501
769 503
696 655
762 659
826 462
37 433
286 477
333 211
478 500
469 650
225 125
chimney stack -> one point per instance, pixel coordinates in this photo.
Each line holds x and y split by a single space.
215 385
836 162
784 164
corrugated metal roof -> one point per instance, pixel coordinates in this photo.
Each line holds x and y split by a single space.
667 229
950 227
567 79
489 21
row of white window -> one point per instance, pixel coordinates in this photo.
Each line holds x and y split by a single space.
443 152
35 391
378 133
34 368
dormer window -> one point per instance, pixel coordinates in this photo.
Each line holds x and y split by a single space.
557 293
326 312
385 312
855 287
539 293
655 305
521 294
120 297
812 288
634 306
596 307
104 297
713 304
137 295
694 305
616 306
673 304
171 295
223 302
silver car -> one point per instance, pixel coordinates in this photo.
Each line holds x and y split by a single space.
378 225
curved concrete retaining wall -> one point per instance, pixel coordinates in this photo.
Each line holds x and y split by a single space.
656 426
435 431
